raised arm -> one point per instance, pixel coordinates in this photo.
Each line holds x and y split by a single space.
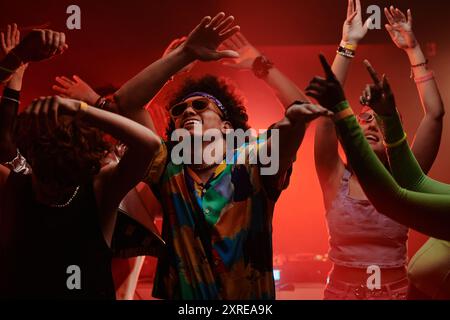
329 165
428 136
201 44
404 166
116 180
427 213
251 59
9 102
36 46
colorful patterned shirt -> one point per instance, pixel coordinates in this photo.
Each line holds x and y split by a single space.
218 235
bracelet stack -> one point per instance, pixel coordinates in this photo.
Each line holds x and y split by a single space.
423 64
347 50
429 76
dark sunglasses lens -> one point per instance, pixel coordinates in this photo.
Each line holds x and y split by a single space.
199 105
178 109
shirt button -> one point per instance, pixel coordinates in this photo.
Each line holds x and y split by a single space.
206 210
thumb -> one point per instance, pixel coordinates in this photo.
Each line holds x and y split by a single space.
227 54
368 23
229 64
389 28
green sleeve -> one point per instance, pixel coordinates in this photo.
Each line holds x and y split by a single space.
427 213
404 166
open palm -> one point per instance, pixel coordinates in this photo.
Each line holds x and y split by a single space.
400 28
203 41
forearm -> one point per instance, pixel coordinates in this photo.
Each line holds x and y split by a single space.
326 155
9 105
15 83
138 91
426 213
8 65
291 134
428 137
341 67
132 134
404 166
428 90
286 90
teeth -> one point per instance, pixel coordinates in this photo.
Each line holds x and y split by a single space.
193 122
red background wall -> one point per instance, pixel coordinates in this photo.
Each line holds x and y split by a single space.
118 38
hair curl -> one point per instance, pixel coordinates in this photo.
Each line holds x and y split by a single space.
69 155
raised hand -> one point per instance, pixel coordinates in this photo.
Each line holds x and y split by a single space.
378 95
40 45
354 30
9 41
327 91
306 112
400 28
76 89
203 41
42 115
247 52
172 46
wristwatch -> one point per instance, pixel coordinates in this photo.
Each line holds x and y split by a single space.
261 66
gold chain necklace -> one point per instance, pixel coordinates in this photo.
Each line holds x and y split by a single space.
68 202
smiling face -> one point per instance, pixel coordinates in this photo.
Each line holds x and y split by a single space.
372 131
196 111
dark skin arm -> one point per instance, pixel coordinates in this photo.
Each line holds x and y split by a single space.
201 44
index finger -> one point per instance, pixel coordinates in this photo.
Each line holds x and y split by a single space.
373 74
326 67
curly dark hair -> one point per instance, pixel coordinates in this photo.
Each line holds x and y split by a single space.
69 155
223 90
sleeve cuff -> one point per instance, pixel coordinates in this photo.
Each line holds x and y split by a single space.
11 93
392 128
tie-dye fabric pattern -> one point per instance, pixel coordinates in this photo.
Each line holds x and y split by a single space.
219 237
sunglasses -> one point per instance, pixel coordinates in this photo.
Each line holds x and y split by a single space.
366 117
199 105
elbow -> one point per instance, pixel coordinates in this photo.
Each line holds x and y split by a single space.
151 147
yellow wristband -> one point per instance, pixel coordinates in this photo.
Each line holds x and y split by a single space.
343 114
349 46
396 144
83 107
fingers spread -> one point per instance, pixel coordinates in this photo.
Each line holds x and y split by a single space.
225 24
216 20
227 54
228 33
389 16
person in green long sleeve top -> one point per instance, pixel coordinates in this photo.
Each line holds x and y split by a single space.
425 210
429 269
